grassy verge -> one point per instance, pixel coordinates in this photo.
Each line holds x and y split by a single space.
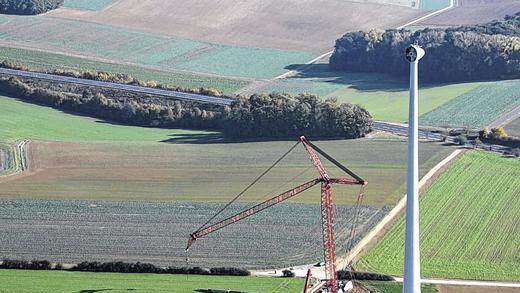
43 61
57 282
513 128
469 224
8 159
391 287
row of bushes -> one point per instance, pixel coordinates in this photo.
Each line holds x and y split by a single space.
117 78
29 265
28 7
123 267
353 275
485 52
259 116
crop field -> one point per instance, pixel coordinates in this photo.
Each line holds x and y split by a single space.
164 52
87 4
469 224
468 12
513 128
67 282
384 97
72 231
476 108
310 26
122 171
43 61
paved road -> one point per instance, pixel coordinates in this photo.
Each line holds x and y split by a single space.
506 118
424 134
131 88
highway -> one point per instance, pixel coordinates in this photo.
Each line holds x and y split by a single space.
403 130
126 87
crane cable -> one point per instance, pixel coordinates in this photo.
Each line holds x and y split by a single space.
352 235
249 186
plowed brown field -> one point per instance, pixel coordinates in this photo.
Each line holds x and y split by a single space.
283 24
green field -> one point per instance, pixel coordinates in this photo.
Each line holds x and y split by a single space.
87 4
223 167
476 108
469 224
391 287
513 128
118 44
43 61
434 4
50 124
68 282
386 98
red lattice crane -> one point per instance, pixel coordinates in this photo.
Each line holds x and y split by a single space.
327 208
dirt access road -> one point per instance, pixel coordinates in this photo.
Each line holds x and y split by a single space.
282 24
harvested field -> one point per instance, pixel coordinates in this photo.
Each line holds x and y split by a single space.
74 231
469 224
149 49
43 61
58 281
478 107
288 24
209 172
513 128
468 12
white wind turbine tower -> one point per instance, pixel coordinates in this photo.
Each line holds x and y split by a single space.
412 266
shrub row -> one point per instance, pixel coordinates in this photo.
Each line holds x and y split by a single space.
122 267
28 265
353 275
259 116
117 78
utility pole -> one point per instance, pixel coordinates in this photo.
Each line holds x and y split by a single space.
412 262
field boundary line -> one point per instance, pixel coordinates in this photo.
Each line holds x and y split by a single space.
392 216
452 4
474 283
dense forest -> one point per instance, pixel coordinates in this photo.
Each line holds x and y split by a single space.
259 116
483 52
28 7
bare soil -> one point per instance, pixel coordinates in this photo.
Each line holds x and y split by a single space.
309 25
468 12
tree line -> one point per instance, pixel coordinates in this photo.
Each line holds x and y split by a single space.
259 116
122 267
28 7
482 52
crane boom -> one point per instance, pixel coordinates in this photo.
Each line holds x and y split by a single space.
327 208
251 211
